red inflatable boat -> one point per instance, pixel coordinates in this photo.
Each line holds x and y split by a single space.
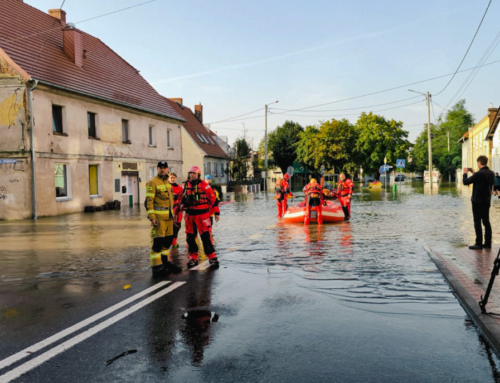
332 212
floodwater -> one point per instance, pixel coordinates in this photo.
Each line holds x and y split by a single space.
355 301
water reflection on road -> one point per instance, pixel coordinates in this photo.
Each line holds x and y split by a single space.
374 266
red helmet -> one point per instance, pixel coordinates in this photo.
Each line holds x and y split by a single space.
286 176
195 169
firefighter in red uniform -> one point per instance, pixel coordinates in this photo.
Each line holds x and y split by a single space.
177 189
314 197
344 193
197 200
282 191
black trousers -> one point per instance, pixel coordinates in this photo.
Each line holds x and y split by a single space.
481 214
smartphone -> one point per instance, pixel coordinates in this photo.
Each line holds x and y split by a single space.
471 170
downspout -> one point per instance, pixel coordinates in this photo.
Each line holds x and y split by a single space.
32 145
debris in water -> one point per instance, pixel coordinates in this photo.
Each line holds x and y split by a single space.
126 287
108 362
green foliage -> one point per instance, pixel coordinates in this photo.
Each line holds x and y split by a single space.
238 165
457 121
331 144
380 138
282 143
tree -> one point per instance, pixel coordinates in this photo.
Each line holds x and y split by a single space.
239 159
456 122
282 143
380 138
331 144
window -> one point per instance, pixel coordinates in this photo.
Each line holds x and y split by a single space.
215 169
125 132
91 124
151 172
94 180
221 169
62 181
57 119
210 140
169 142
209 168
152 138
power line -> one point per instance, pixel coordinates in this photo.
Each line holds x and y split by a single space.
461 62
349 114
241 115
45 40
78 22
465 85
361 107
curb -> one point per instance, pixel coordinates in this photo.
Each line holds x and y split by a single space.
487 325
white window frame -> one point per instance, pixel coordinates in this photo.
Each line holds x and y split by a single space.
63 120
216 165
69 197
152 136
99 180
151 172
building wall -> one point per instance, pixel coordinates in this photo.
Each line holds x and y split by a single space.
477 144
15 175
219 177
192 155
495 152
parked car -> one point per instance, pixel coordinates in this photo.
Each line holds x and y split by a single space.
418 177
369 179
356 179
400 178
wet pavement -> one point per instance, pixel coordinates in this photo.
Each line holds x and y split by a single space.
350 302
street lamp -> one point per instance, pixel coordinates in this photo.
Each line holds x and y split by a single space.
428 98
265 143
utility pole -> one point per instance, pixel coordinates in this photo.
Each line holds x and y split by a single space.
428 99
265 143
449 174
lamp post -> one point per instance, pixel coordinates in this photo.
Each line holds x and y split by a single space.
428 98
265 144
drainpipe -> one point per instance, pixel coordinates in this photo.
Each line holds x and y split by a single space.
32 144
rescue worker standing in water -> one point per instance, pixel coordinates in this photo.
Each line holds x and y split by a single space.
344 193
177 189
314 197
215 207
198 199
159 204
282 191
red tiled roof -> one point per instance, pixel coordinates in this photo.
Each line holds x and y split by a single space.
197 131
104 75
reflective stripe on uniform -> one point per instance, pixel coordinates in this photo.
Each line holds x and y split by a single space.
150 195
154 255
161 187
165 252
151 211
161 212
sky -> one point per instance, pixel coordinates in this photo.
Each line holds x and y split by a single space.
235 56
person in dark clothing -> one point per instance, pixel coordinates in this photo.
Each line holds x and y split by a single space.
481 200
496 189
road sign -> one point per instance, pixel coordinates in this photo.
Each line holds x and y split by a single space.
384 168
8 161
385 160
322 169
289 171
400 163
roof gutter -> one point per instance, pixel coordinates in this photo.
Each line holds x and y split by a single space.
107 100
32 145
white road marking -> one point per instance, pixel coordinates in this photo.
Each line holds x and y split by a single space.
35 362
60 335
199 266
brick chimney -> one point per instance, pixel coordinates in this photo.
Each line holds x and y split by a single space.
177 100
58 14
198 112
73 46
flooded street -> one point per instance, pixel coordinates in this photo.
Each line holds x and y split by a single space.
359 301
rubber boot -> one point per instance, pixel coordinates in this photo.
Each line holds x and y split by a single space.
157 271
193 260
169 267
319 214
212 259
346 213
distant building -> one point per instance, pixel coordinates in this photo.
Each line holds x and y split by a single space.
481 139
200 146
75 111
